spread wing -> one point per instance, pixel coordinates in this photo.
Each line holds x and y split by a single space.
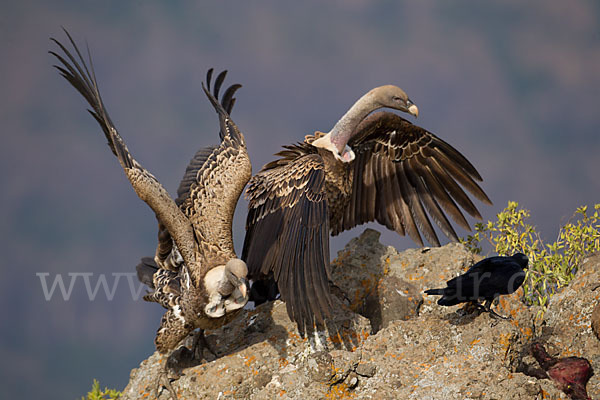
198 162
287 236
212 184
405 175
146 186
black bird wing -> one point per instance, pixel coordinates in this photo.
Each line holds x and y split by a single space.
488 278
76 72
287 236
403 175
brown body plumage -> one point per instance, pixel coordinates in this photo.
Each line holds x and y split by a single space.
369 167
194 231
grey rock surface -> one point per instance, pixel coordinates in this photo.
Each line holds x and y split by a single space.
388 341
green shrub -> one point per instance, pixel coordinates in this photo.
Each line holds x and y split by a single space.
551 266
97 394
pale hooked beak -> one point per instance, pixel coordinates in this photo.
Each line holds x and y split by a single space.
243 288
412 108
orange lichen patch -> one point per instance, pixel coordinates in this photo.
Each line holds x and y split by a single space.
249 360
366 283
282 392
145 395
504 340
340 391
283 362
475 341
528 332
297 337
386 267
336 339
424 366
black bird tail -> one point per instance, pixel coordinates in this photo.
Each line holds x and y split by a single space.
145 271
435 291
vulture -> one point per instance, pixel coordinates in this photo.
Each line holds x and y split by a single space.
195 275
369 167
486 280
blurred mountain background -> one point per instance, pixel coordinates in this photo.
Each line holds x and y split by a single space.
515 86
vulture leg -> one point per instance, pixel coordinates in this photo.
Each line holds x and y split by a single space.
200 343
163 380
180 359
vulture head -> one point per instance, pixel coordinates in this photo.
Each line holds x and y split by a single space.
236 272
227 288
388 96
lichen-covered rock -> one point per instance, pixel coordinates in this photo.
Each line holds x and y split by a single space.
567 326
420 350
261 356
596 320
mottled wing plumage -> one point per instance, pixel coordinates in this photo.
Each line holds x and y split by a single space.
405 175
145 184
288 236
218 180
164 253
165 284
191 172
200 228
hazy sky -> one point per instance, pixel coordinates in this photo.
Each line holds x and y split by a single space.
515 87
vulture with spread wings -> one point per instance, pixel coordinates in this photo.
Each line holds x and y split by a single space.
369 167
195 274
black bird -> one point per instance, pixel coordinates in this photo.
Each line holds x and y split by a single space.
486 280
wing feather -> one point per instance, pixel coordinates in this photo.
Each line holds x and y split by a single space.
287 236
146 186
404 177
216 177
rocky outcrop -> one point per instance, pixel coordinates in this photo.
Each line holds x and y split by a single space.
596 320
388 341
